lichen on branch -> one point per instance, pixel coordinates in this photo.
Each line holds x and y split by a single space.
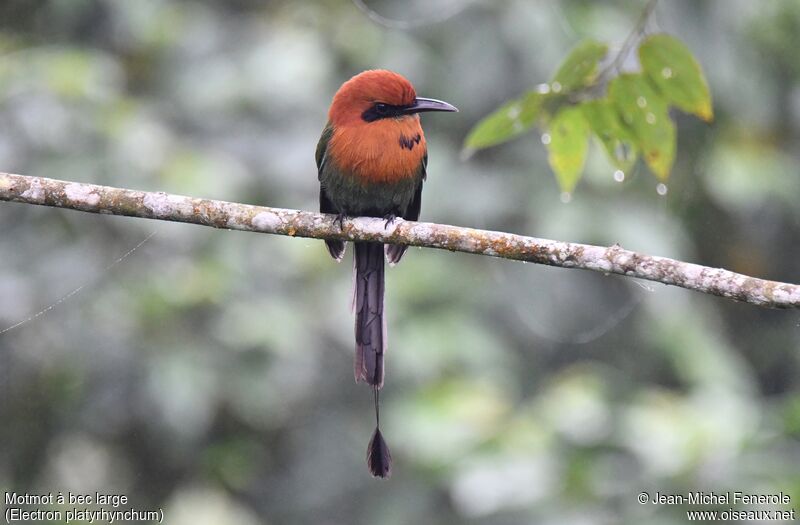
295 223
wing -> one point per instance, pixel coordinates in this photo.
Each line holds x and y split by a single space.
322 148
336 248
412 212
394 252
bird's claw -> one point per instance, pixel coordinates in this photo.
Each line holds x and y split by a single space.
389 219
340 217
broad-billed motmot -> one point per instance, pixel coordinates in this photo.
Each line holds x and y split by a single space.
371 161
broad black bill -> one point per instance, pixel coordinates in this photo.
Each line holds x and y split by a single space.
429 104
381 110
379 458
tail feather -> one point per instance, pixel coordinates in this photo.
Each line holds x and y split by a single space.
379 459
370 325
336 249
394 252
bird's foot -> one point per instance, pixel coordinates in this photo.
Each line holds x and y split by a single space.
340 217
389 217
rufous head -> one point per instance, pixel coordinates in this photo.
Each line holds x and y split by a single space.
378 94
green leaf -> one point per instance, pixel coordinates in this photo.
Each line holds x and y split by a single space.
643 113
510 120
579 69
569 143
604 121
671 67
518 116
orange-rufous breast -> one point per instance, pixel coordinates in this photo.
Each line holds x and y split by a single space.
384 151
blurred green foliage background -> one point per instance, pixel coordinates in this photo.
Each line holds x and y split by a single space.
210 372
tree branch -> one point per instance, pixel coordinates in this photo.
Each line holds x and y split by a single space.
219 214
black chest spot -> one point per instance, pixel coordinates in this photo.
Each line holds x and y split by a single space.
409 142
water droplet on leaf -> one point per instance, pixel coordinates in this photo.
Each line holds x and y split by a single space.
546 138
666 72
661 189
651 118
556 86
543 89
641 102
619 175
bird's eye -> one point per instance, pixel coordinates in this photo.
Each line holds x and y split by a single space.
378 111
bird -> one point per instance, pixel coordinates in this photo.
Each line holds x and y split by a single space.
372 161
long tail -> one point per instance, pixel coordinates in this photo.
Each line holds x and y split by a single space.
368 306
371 341
379 459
